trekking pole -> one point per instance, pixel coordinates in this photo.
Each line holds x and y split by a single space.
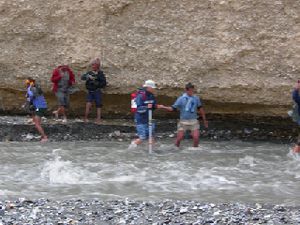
150 131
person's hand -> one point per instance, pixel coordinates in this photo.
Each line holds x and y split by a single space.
150 106
160 106
205 123
91 77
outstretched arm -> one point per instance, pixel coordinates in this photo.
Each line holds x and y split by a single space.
172 108
168 108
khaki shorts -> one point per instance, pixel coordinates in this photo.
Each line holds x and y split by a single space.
184 125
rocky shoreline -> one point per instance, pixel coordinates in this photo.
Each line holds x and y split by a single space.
91 212
19 129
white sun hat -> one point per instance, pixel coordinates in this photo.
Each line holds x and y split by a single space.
150 83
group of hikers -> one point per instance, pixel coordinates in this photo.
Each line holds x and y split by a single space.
63 80
143 102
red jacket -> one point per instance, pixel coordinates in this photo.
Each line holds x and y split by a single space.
56 76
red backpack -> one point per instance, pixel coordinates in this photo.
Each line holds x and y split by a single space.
133 99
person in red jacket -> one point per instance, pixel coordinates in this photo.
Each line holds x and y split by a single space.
62 78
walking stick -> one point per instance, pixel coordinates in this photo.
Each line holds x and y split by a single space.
150 131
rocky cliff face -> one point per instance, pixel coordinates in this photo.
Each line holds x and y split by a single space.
243 55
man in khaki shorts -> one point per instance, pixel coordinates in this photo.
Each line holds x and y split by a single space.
189 105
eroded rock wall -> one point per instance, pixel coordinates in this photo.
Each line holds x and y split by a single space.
243 55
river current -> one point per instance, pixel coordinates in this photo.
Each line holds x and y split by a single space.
215 172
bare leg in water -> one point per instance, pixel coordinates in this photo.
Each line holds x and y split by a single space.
195 135
37 122
296 149
180 136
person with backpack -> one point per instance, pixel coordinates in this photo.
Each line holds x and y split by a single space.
295 114
95 80
38 105
63 79
189 105
142 101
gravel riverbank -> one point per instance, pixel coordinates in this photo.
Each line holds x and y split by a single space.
20 129
92 212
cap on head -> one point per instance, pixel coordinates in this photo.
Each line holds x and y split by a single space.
150 84
189 86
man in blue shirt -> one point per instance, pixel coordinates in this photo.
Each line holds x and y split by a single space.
145 101
188 105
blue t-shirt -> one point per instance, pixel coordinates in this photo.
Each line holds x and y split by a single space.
38 101
142 100
188 106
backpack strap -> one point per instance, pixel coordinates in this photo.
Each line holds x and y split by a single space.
143 93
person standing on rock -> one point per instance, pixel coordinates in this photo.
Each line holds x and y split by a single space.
145 101
189 105
36 98
296 112
62 78
95 80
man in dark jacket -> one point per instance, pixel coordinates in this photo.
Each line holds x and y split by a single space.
94 81
145 101
296 99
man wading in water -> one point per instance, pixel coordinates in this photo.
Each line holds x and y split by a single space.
145 101
188 104
62 78
95 81
36 99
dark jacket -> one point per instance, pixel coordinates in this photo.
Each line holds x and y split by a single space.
142 100
296 98
95 84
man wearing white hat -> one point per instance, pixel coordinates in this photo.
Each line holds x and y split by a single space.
145 101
